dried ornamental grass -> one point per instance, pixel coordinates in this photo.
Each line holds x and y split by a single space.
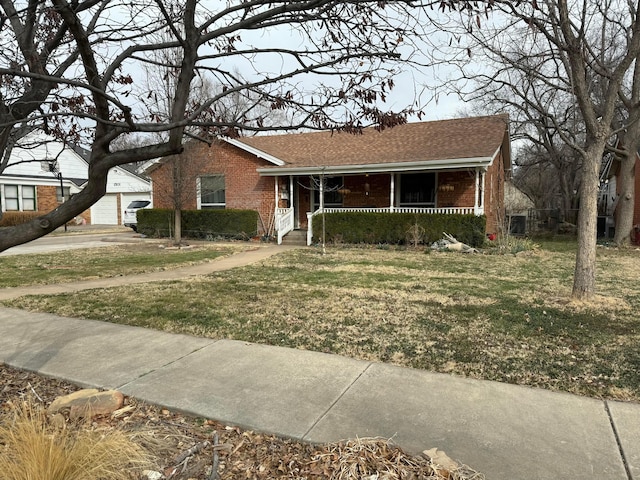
32 447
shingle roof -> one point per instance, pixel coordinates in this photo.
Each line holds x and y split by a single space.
461 138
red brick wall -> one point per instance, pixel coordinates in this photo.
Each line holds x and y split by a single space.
245 189
47 200
463 193
494 195
379 191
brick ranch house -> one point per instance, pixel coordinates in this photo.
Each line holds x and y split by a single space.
453 166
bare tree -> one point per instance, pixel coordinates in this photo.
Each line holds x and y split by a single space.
73 69
581 50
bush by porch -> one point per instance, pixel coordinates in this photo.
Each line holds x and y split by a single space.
392 228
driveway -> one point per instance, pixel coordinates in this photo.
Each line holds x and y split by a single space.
74 239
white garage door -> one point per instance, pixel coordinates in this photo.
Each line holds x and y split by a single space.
105 210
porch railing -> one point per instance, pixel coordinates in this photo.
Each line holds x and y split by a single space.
443 210
284 222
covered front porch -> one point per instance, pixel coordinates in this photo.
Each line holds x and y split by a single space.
300 198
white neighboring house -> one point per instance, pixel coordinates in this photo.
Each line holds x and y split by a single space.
40 176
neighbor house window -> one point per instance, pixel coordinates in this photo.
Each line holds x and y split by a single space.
332 197
418 189
212 192
11 201
67 194
19 197
28 197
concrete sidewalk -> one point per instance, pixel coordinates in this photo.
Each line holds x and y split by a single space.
504 431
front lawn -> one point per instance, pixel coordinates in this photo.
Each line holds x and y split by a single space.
504 318
91 263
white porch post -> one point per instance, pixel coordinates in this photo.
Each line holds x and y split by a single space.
291 197
392 190
476 203
482 192
277 181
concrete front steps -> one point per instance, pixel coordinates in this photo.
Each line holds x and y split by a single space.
295 237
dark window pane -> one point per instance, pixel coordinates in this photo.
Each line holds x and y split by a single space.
212 190
418 188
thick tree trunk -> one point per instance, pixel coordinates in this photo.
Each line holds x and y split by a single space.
624 208
584 279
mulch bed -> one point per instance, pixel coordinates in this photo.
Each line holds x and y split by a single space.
187 448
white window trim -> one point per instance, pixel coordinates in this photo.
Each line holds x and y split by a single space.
3 198
199 204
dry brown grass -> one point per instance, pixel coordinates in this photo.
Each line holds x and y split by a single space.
498 317
32 447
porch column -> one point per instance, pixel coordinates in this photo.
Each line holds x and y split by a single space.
483 176
291 204
476 203
392 191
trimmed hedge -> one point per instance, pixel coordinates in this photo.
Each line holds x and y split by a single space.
10 219
227 223
393 228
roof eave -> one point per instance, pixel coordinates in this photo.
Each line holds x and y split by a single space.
149 166
444 164
254 151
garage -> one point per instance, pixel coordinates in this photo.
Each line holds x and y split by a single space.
105 210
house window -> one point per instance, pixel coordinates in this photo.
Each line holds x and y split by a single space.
212 192
332 197
28 198
11 199
67 194
19 197
418 189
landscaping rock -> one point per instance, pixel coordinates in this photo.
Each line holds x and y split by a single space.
88 403
442 463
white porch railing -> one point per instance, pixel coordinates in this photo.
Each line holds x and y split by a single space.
284 222
443 210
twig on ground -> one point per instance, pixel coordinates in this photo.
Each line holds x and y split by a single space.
216 459
33 390
187 453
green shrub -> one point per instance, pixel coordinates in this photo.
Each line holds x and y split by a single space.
209 224
392 228
10 219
